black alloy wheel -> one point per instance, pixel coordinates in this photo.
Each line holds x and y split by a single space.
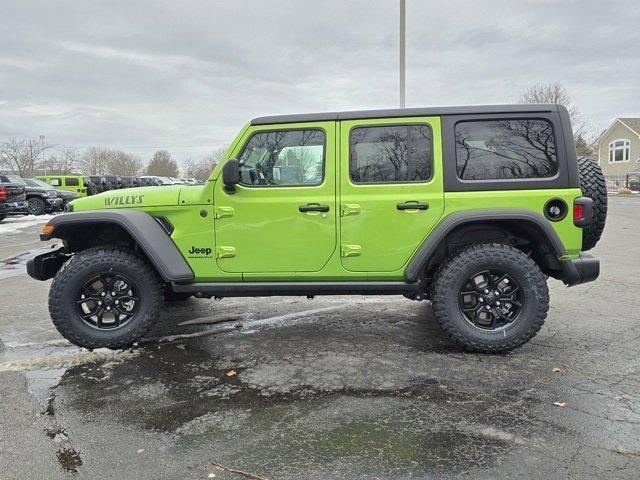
107 301
491 300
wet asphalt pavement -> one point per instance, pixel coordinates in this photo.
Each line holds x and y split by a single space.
335 387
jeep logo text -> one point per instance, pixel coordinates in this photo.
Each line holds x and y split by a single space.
200 251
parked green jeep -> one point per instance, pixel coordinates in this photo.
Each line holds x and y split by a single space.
72 183
472 208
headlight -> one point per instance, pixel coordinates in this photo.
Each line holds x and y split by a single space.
52 194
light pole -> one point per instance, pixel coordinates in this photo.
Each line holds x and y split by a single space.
44 160
402 46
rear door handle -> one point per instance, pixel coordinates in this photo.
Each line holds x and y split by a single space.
313 207
412 206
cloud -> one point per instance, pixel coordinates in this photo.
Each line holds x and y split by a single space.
141 75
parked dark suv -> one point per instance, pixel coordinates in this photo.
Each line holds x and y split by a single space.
65 196
13 199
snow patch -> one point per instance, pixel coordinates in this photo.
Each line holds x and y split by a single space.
15 224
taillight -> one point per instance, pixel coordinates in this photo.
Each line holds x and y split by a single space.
3 193
578 211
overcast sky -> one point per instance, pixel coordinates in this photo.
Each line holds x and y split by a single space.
186 75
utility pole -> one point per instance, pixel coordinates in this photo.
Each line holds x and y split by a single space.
44 160
402 47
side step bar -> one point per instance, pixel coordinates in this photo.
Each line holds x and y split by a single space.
266 289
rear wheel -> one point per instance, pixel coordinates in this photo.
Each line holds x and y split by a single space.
490 298
594 186
36 206
105 297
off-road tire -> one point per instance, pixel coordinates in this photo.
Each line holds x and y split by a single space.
79 269
593 186
36 206
2 217
451 277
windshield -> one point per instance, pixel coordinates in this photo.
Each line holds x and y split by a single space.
12 179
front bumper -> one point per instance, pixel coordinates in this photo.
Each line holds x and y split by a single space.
54 204
45 265
583 269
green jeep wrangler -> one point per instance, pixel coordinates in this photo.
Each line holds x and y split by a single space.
72 183
472 208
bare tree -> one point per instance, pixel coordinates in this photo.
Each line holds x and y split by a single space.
555 93
122 163
162 164
21 157
95 161
62 162
201 169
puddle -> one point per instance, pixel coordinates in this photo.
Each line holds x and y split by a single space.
68 458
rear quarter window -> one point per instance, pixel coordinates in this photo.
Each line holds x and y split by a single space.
505 149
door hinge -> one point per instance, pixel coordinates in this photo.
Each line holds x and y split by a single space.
349 209
223 212
225 252
351 250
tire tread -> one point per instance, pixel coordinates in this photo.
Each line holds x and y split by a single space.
446 275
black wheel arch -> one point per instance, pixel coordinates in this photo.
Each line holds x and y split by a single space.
523 229
131 228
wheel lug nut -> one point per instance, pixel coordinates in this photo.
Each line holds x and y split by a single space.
481 299
488 307
99 303
102 294
498 303
108 308
117 302
81 296
486 290
113 294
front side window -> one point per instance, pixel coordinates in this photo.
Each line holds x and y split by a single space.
283 158
505 149
390 154
55 182
619 151
71 182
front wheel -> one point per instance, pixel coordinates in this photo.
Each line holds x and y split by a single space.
2 217
36 206
105 297
490 298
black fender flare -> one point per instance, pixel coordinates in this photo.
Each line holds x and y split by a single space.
150 236
446 225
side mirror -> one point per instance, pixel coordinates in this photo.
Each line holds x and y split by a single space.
231 175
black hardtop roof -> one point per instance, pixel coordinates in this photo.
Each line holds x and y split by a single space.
406 112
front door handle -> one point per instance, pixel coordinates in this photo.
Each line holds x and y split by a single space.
313 207
412 206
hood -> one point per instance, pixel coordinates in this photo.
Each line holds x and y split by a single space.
67 194
140 197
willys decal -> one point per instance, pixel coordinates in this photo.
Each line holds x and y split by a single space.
123 200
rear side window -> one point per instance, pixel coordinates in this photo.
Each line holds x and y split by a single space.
505 149
71 182
390 154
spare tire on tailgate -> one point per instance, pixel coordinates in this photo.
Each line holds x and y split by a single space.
593 185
